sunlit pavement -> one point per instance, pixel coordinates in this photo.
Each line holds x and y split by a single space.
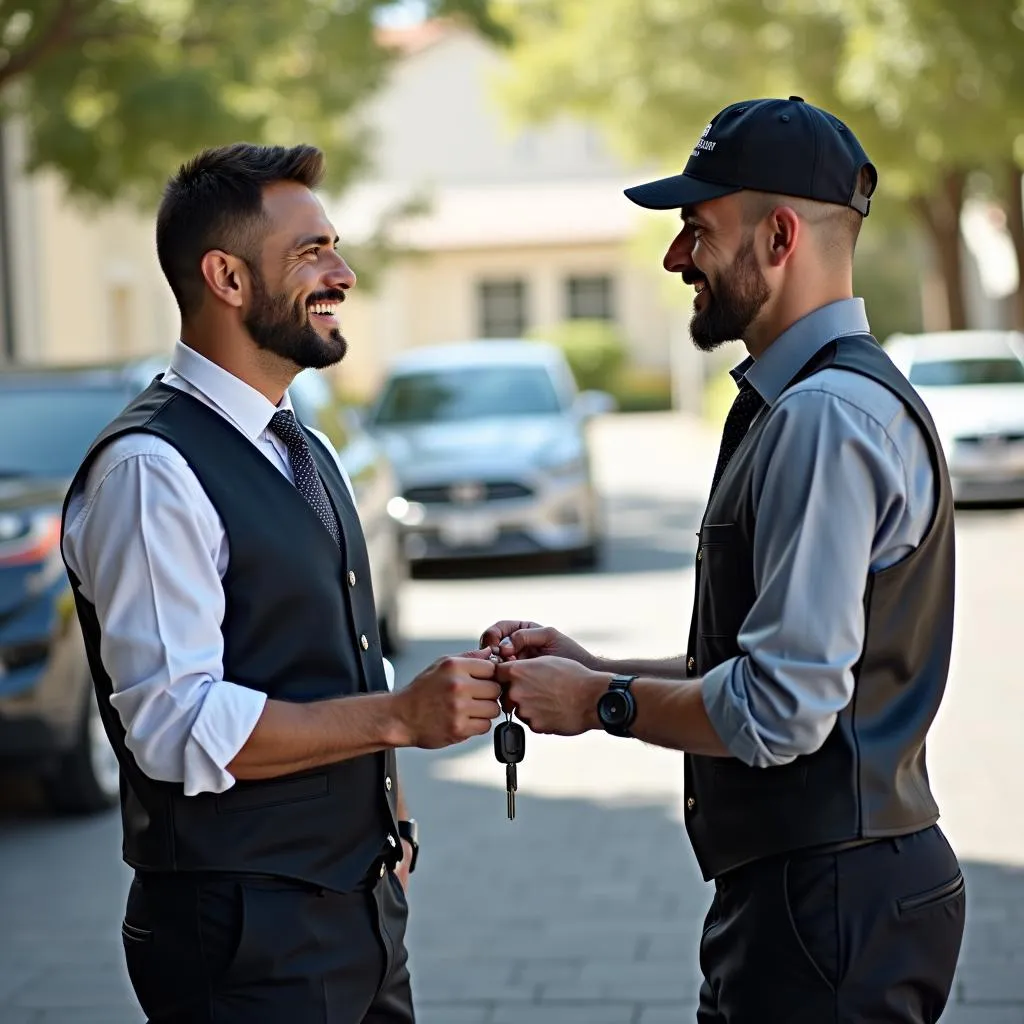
587 908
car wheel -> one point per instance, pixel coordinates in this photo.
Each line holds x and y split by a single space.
389 624
588 557
87 779
390 636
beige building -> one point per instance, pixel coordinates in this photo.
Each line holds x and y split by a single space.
85 284
523 228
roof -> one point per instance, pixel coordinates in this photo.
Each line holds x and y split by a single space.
411 39
568 212
478 352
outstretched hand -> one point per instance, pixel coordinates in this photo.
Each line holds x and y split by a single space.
513 640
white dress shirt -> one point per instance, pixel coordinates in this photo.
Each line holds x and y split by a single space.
150 552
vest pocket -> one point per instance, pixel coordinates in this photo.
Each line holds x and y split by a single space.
726 581
258 795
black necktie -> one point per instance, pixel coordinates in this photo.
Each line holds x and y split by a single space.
747 404
307 479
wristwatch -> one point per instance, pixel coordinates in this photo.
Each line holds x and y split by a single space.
409 831
616 709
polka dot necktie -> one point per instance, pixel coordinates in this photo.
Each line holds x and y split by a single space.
307 479
747 404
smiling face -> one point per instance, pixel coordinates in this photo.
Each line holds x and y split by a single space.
301 282
714 252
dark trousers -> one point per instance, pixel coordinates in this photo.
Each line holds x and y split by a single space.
250 950
869 934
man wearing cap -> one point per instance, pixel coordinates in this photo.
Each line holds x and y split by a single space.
820 637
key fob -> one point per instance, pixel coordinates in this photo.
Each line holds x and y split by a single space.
509 742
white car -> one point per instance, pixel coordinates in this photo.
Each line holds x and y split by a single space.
973 385
488 439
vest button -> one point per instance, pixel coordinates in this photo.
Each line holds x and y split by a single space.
351 578
700 554
690 803
383 868
364 643
391 841
691 664
387 783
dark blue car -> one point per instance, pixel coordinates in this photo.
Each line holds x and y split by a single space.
48 417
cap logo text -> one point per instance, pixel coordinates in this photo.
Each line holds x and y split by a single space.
704 143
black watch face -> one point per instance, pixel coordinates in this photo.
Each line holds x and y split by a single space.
614 708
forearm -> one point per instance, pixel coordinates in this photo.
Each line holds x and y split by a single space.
291 737
663 668
669 713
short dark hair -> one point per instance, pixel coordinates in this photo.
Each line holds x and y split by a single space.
841 224
215 201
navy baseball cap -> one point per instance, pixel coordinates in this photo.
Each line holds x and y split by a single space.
771 145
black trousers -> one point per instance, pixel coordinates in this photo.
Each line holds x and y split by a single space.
250 950
869 934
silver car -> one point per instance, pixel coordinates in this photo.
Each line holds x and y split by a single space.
973 385
488 439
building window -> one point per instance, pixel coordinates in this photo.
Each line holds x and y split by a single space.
502 308
590 298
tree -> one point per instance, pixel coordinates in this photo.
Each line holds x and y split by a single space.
113 93
931 87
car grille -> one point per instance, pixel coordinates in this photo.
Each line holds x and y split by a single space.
449 494
995 437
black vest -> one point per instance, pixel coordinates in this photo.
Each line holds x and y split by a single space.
869 778
293 628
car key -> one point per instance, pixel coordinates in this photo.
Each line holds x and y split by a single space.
510 749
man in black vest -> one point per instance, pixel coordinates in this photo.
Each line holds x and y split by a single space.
223 587
820 638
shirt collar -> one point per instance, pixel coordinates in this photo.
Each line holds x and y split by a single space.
795 346
249 410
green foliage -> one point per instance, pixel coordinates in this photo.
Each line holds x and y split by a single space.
115 93
924 83
719 394
595 349
933 88
642 389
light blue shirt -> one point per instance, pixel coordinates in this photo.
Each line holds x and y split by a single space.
842 486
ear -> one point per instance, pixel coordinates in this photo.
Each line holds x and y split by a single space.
784 225
226 276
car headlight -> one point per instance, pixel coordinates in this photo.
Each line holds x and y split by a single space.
28 539
564 464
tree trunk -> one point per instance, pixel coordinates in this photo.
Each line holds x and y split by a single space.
940 214
1015 225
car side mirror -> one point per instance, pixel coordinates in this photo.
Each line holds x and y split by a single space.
594 403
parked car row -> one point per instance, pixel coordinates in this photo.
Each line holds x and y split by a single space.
469 450
49 723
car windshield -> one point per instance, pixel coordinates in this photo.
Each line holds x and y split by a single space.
46 431
944 373
467 393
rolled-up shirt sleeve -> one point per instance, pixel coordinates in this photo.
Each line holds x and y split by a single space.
144 543
828 480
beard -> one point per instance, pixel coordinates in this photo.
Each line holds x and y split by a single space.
731 306
282 327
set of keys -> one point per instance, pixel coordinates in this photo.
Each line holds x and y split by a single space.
510 749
